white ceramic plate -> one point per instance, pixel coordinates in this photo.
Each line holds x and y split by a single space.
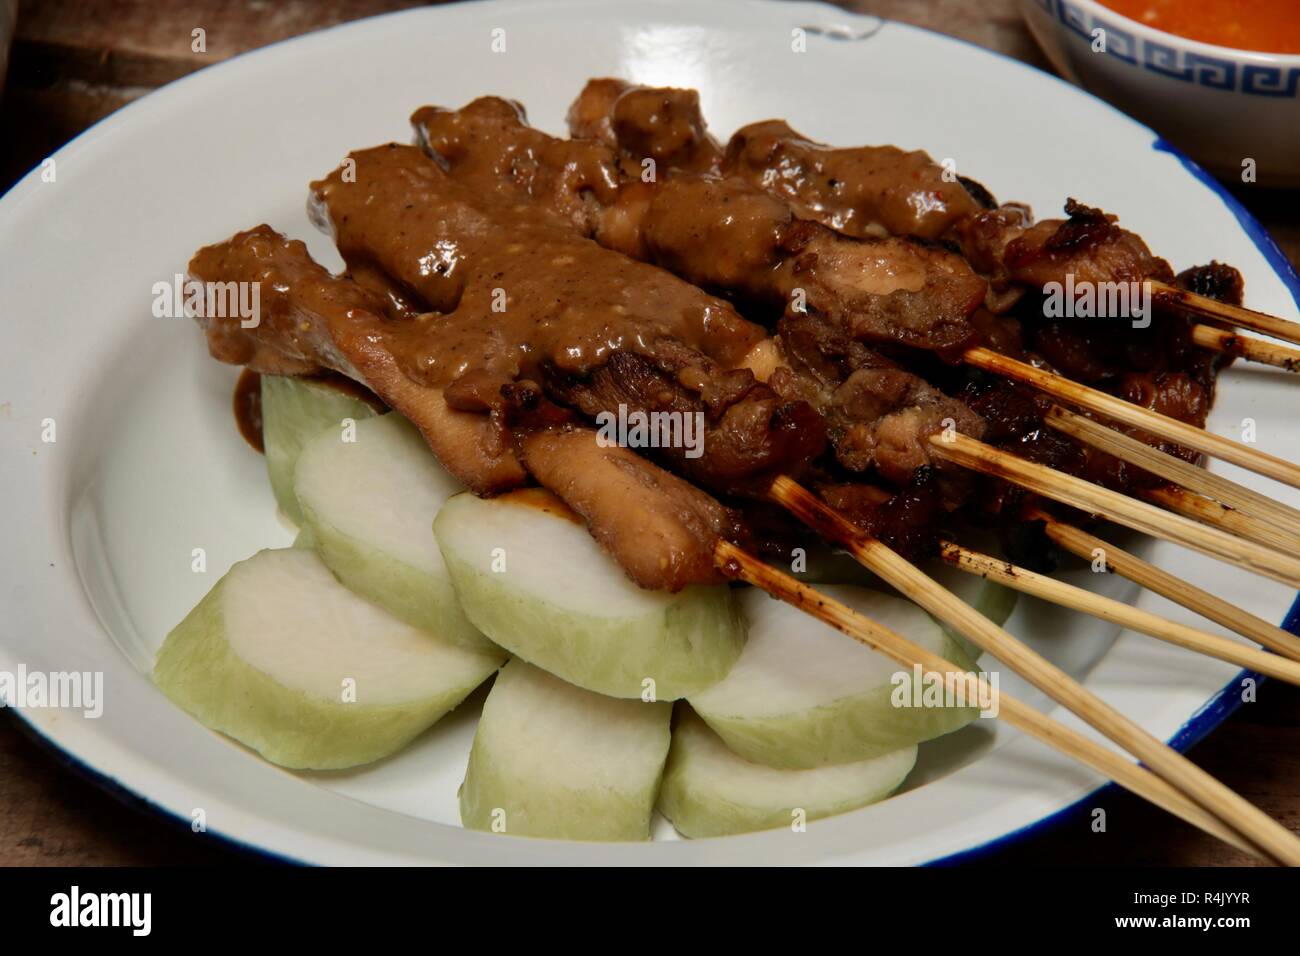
100 525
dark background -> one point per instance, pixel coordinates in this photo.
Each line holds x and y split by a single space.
73 63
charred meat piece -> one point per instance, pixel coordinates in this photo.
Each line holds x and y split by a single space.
311 320
660 528
1179 395
726 432
908 521
1089 245
572 177
1001 333
560 318
662 124
860 191
878 415
730 237
1215 281
591 115
983 240
1097 351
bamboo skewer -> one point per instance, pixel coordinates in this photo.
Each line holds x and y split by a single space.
1044 675
1138 515
1136 452
1119 410
1202 509
1117 612
1089 547
1243 346
1236 315
739 564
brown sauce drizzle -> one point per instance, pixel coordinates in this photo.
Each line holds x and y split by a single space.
247 402
542 500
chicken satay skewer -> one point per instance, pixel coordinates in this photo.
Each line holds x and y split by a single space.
1095 499
1228 313
1058 685
397 178
894 176
1090 548
1243 346
1133 777
1180 472
869 190
837 267
1117 409
1116 560
1209 512
367 331
1117 612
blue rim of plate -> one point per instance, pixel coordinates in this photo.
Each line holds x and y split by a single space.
1211 714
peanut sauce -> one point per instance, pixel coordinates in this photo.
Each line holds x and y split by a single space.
861 191
469 256
543 501
247 401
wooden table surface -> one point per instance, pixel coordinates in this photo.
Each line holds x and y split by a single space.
75 62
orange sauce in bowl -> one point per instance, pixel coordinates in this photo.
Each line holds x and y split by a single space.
1268 26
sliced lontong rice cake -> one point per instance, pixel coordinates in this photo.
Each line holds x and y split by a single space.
294 411
804 695
534 581
710 791
285 659
368 505
553 760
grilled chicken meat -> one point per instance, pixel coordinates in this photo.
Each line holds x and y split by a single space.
721 233
662 124
505 314
877 190
863 191
496 319
502 292
659 528
311 320
884 191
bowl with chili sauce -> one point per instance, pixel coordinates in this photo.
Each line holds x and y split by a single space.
1220 79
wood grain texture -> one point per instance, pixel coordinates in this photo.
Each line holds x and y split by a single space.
76 61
